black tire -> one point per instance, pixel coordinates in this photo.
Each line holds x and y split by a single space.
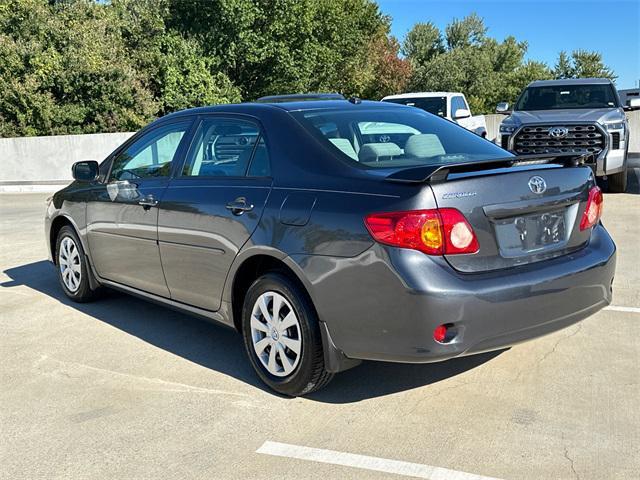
83 293
617 182
310 373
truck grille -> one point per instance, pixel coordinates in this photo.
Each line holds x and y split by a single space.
580 139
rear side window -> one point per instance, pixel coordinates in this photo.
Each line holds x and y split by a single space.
396 137
260 166
222 147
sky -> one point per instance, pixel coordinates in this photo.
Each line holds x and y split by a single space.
611 27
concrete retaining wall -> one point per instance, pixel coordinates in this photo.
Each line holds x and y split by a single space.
32 163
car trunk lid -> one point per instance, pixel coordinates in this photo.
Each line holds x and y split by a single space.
520 214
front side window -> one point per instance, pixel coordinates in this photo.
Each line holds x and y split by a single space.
222 148
151 155
390 138
567 97
435 105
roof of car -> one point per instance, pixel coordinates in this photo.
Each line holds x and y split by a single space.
294 97
254 107
570 81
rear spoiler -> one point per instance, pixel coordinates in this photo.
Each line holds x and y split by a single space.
440 172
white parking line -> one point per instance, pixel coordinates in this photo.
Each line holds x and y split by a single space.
616 308
365 462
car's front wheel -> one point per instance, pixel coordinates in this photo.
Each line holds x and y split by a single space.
73 271
282 336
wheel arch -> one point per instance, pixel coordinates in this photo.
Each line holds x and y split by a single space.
254 264
251 266
56 225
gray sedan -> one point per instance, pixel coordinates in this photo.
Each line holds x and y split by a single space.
330 232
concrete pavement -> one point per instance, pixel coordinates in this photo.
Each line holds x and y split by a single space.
121 388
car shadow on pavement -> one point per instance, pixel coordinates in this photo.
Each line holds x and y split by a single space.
219 348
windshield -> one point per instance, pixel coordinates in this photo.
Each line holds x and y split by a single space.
567 96
396 137
435 105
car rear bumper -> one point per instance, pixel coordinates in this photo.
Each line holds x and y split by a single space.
386 303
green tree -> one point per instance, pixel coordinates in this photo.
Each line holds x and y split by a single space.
563 67
422 43
81 67
280 46
470 31
387 73
582 64
485 70
63 69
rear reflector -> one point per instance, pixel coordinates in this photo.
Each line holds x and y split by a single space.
442 231
593 212
440 333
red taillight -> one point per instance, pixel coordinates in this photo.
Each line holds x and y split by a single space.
593 212
442 231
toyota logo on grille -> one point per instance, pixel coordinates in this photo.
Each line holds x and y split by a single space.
537 184
558 132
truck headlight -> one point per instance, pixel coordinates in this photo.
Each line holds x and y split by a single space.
614 126
507 128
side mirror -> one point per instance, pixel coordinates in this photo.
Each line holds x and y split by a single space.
461 113
85 171
633 104
503 107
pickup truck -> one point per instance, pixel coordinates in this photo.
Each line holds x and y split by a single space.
450 105
571 116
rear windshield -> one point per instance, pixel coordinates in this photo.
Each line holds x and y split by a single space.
396 137
435 105
567 96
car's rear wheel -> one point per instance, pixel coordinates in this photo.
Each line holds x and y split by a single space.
618 182
73 272
282 336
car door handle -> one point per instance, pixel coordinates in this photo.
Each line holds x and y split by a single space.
239 206
148 201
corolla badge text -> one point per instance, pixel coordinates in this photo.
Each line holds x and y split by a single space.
458 195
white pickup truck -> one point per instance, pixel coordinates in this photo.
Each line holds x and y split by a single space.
450 105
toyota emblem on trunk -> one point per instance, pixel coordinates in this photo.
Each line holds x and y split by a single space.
537 184
558 132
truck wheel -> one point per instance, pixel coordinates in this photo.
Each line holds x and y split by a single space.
282 336
618 182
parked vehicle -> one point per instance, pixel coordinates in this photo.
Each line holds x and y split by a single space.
630 98
571 116
450 105
324 245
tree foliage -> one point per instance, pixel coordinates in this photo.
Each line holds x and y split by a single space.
582 64
466 59
83 66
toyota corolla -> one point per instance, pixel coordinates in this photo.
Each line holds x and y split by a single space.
335 231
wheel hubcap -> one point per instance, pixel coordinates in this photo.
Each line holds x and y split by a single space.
276 334
69 263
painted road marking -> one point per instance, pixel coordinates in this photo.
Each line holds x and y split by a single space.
616 308
365 462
